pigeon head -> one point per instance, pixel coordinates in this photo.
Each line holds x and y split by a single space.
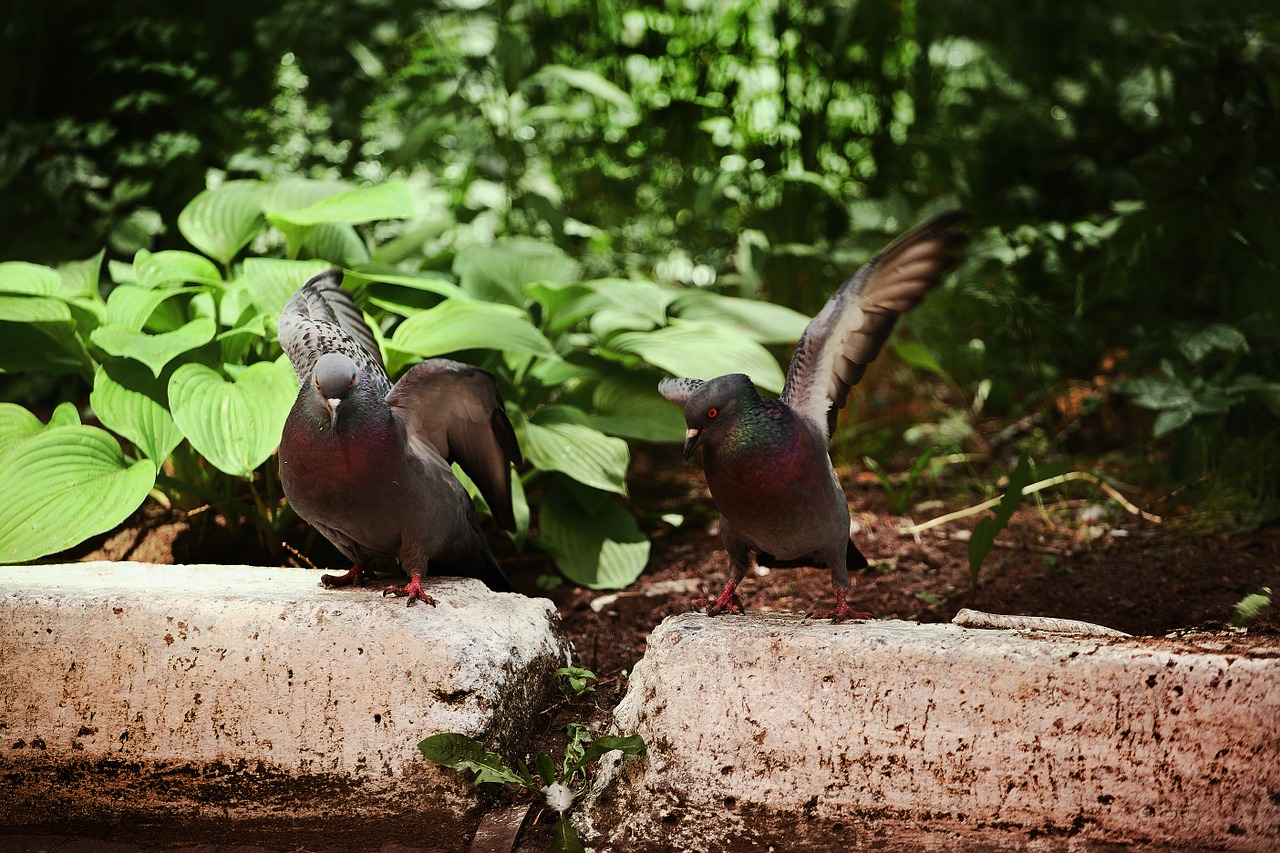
714 409
334 377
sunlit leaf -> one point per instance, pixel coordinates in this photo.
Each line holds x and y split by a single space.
462 324
162 269
585 454
599 548
499 273
762 321
702 351
31 279
235 425
221 221
134 403
155 351
62 485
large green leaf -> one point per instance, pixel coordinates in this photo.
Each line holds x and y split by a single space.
79 279
630 406
271 281
163 269
235 425
130 306
62 485
500 272
132 402
39 333
389 200
30 279
221 221
459 752
585 454
461 324
336 242
16 424
600 547
155 351
762 321
702 351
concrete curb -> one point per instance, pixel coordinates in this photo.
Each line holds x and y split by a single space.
765 728
226 694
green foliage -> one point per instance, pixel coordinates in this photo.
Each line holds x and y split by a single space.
1249 607
984 534
575 682
560 785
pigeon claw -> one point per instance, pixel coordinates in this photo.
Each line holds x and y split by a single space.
351 578
841 612
727 602
412 590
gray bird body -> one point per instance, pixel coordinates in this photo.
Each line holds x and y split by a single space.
766 460
368 464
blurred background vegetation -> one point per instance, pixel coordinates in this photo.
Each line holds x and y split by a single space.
1119 299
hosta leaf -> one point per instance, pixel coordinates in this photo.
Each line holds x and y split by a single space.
460 324
336 242
271 281
701 351
79 279
31 279
39 333
389 200
630 406
162 269
500 272
221 221
63 485
585 454
600 548
235 425
130 306
155 351
133 403
761 321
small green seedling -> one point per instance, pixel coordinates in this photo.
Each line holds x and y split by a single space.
984 534
559 786
575 682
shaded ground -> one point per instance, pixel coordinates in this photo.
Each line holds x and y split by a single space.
1073 555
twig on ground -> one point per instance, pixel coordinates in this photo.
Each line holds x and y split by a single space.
915 529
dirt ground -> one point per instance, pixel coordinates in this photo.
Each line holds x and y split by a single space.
1072 554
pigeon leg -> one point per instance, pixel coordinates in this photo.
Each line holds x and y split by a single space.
351 578
413 590
842 612
727 602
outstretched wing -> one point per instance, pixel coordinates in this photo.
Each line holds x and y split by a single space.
847 334
678 390
321 318
454 410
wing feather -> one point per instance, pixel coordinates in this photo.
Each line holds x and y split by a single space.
848 333
453 409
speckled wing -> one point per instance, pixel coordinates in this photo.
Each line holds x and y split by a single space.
847 334
454 410
678 390
319 318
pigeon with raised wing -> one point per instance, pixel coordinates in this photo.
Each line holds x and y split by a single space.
766 460
368 464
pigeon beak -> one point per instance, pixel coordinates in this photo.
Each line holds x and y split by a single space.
691 440
332 404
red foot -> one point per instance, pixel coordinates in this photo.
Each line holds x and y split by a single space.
413 590
351 578
728 602
842 612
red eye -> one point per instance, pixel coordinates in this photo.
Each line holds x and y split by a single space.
712 412
352 383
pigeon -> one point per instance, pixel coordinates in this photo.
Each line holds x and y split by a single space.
368 464
766 460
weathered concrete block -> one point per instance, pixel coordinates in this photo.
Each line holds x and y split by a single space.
769 729
253 695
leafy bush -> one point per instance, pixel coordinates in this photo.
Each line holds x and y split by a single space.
183 365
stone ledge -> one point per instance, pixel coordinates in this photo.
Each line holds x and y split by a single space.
226 693
765 728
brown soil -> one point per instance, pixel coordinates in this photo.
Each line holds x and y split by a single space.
1116 569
